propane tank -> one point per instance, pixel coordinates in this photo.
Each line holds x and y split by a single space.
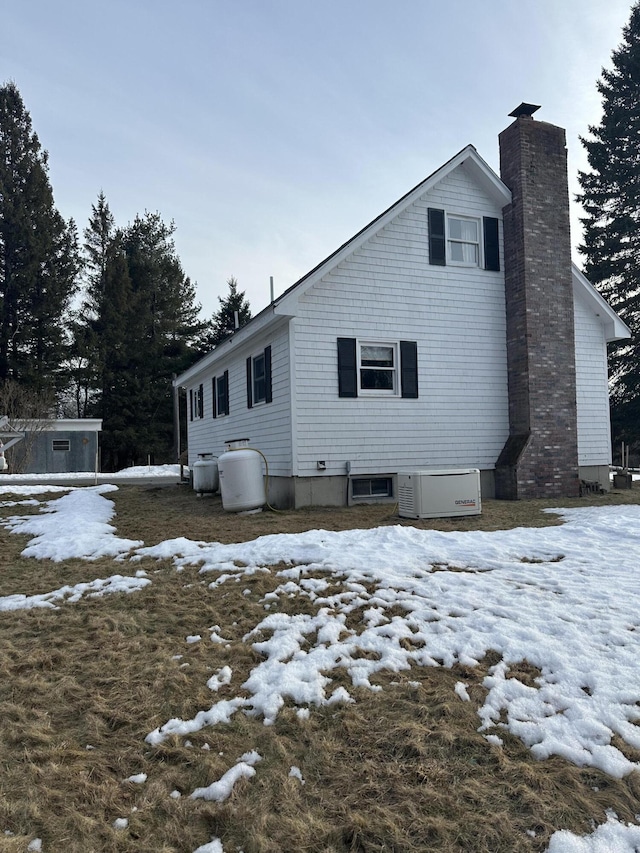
205 474
241 479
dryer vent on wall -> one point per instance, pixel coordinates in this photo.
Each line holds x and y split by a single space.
439 494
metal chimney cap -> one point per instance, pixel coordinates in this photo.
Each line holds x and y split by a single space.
525 110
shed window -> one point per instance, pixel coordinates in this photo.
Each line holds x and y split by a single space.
61 444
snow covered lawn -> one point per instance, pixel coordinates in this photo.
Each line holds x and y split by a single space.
558 608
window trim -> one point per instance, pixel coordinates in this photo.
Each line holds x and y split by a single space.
61 441
268 392
349 374
489 240
196 403
394 371
220 395
459 217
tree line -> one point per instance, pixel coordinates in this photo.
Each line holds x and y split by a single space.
98 326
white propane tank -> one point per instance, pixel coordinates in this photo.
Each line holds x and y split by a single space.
241 479
205 474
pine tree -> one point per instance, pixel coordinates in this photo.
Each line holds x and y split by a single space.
86 362
142 326
223 321
611 201
38 256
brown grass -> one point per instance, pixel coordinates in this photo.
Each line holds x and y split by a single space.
401 770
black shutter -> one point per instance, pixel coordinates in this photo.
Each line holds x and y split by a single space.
268 396
200 401
347 368
225 385
491 245
409 368
249 385
437 247
213 394
190 404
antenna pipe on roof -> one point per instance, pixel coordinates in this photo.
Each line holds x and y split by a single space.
271 286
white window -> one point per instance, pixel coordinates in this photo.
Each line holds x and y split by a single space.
463 240
196 403
259 379
378 368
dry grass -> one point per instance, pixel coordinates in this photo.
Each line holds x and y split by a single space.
402 770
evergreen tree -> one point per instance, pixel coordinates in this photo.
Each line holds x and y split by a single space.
39 259
140 326
86 362
223 321
611 201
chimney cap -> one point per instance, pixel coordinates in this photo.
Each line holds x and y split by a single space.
525 110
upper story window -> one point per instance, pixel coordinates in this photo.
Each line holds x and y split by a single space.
463 240
61 444
378 368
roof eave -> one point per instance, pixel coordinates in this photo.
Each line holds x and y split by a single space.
614 327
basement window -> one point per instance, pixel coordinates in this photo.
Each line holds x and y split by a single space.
61 444
363 488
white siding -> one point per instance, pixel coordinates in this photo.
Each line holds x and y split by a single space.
267 425
387 290
592 389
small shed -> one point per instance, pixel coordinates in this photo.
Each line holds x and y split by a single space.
59 446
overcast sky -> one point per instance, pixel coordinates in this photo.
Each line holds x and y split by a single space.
271 131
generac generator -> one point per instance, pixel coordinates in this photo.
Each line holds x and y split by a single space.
436 494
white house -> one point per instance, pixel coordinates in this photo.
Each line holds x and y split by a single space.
426 342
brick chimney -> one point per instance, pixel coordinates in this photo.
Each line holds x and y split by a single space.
540 458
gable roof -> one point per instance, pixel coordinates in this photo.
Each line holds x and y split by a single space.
615 329
468 157
284 305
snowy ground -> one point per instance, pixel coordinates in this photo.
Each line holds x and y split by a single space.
159 471
566 599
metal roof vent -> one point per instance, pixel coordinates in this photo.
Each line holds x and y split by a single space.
525 110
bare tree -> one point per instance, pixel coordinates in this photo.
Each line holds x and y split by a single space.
28 411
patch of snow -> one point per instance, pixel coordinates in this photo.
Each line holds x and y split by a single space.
220 678
213 846
610 837
219 791
138 778
73 526
296 773
461 691
73 594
